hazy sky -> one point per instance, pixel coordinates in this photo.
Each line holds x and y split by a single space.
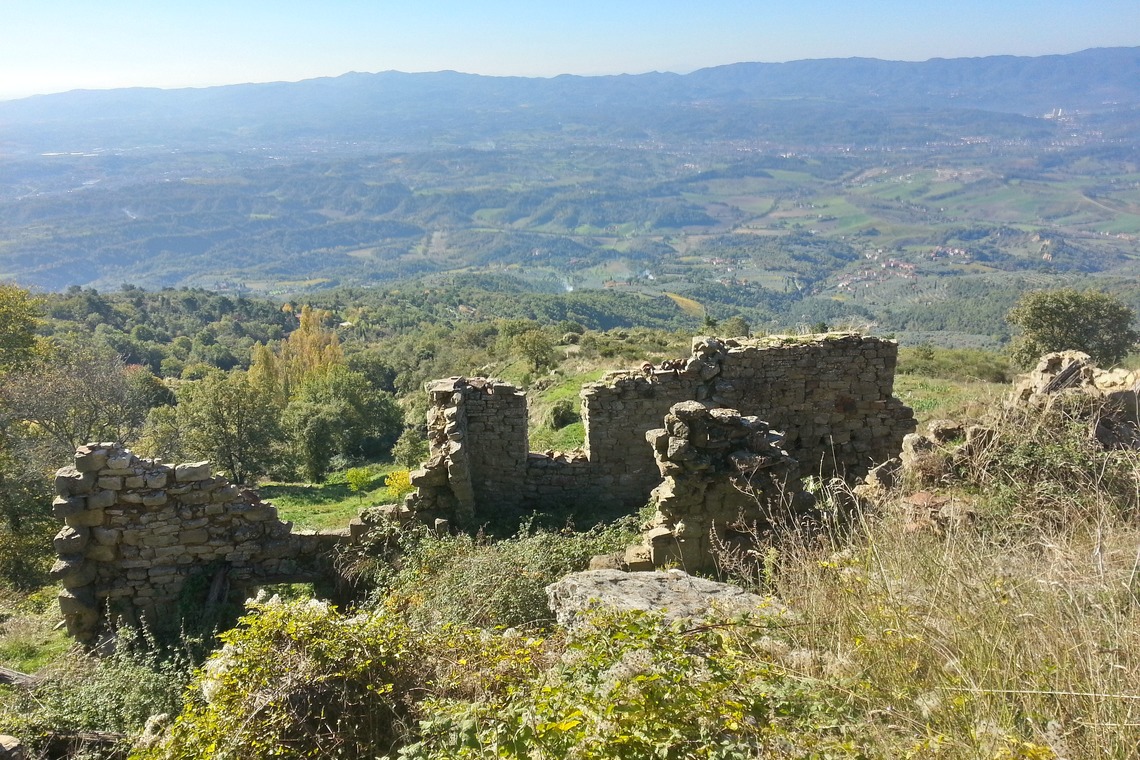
50 46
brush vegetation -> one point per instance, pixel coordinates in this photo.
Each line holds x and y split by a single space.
1009 631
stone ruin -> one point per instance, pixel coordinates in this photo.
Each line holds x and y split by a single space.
744 419
136 530
831 396
1107 401
1111 397
723 473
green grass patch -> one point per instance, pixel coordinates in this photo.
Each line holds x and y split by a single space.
934 398
573 436
332 504
28 638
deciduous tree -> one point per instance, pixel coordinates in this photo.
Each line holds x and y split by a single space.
230 421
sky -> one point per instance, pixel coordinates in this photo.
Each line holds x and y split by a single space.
53 46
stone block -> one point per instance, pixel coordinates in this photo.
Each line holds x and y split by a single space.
72 571
64 507
192 472
90 458
154 499
71 540
155 480
85 519
134 482
77 602
195 498
102 499
198 536
101 553
112 483
71 482
121 460
106 536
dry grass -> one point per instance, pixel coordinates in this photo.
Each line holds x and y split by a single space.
1012 634
971 647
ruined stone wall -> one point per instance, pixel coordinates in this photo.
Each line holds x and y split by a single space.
726 476
830 396
137 529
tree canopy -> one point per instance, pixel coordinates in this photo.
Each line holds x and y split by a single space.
1069 319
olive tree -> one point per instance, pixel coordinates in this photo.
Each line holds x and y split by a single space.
1069 319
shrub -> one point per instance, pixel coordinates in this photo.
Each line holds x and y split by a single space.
629 686
465 580
398 483
116 694
299 680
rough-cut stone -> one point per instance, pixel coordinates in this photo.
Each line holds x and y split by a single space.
673 593
72 571
90 458
71 540
102 499
192 472
71 482
63 507
11 748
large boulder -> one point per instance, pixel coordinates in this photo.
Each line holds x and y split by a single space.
673 593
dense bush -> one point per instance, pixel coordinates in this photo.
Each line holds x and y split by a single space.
471 580
299 680
629 686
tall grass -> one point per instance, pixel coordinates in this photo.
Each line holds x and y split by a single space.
1012 634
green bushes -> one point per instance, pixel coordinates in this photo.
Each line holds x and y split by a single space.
115 694
465 580
298 680
629 686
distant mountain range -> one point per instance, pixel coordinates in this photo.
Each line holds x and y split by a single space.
393 110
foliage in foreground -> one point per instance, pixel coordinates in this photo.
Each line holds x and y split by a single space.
111 695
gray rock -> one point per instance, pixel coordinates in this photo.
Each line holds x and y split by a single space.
676 594
11 749
71 540
192 472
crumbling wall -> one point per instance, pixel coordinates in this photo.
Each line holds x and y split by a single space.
137 529
725 475
830 395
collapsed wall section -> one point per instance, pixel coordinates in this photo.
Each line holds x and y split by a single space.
137 529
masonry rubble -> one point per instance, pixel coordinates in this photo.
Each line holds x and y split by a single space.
1107 400
137 529
1076 372
725 476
